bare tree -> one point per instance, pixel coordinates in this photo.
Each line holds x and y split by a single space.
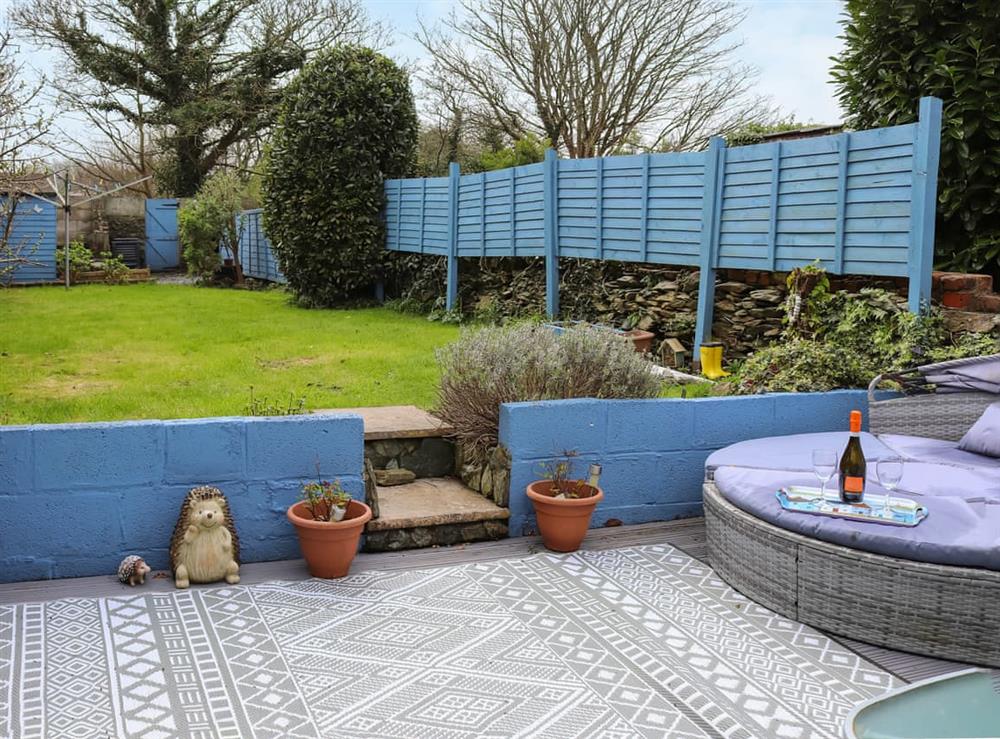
203 75
591 74
22 127
115 148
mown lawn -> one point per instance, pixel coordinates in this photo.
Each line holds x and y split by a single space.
169 351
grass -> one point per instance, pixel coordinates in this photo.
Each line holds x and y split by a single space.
99 353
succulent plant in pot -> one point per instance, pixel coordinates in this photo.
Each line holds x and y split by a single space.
563 506
329 525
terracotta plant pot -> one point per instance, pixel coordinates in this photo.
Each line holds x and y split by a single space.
641 340
329 546
562 522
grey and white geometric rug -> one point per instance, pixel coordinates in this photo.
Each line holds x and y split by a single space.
621 643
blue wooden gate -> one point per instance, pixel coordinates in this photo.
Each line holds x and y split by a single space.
162 242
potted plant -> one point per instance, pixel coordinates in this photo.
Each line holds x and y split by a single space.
563 506
329 524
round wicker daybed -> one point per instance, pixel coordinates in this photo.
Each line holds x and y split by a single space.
945 611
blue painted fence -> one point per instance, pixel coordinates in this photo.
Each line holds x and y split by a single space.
33 232
861 203
255 248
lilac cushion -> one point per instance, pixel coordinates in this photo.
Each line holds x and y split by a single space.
962 529
938 451
790 452
984 436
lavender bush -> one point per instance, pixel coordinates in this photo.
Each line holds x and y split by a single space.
503 364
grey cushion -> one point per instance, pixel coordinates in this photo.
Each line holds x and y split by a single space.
984 436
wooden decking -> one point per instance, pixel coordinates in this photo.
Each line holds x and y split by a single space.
687 535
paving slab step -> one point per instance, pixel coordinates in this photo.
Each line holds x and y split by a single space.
397 422
433 511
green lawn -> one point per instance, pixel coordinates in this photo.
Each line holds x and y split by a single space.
169 351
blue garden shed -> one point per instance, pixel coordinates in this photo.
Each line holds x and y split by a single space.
33 234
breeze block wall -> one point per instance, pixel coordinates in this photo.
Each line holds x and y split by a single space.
652 451
76 498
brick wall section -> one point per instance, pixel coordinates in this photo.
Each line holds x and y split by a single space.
652 451
965 292
76 498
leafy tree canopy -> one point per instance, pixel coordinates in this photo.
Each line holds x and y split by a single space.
347 122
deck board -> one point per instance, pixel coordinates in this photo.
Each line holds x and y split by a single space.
686 534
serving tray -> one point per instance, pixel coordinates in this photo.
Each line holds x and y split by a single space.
902 511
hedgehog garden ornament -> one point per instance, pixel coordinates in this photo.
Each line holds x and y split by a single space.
204 547
133 570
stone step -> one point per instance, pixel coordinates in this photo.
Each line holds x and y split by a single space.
433 511
397 422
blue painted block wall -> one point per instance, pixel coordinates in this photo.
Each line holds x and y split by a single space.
652 451
76 498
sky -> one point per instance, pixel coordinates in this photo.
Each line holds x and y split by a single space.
790 42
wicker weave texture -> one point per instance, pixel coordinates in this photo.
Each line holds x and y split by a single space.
739 551
946 416
939 611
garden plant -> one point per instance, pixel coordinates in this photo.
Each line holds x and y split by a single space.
346 123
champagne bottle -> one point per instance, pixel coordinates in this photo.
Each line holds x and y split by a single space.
852 465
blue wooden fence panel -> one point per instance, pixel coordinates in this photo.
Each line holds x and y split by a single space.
255 248
861 203
34 233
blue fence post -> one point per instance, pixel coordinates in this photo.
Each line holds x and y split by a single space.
709 231
451 294
772 221
839 236
923 206
551 205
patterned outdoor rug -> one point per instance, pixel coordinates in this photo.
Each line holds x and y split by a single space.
628 642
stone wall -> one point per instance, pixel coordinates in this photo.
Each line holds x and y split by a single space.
489 477
749 305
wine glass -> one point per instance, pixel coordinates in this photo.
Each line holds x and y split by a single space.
889 471
824 465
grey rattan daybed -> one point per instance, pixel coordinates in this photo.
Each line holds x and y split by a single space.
935 610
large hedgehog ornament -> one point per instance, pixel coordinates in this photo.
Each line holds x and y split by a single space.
204 547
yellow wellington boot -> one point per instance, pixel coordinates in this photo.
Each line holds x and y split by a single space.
711 360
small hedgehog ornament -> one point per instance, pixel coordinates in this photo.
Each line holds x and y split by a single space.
133 570
204 547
